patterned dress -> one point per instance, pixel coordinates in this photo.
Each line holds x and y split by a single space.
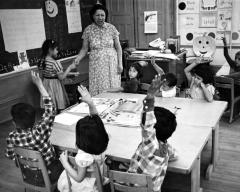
103 59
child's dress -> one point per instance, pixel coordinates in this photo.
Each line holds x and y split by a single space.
53 85
196 92
82 159
169 93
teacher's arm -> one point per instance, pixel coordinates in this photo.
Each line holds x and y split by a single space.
83 51
119 54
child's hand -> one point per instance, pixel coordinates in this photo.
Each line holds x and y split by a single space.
72 66
155 85
64 157
224 41
35 78
86 97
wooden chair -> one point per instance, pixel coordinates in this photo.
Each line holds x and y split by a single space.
95 169
130 182
228 83
33 161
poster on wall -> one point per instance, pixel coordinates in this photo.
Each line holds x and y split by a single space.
236 21
208 20
188 6
208 5
73 16
150 22
225 4
224 20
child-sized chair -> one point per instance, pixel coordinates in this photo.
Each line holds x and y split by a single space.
95 169
125 181
228 84
34 171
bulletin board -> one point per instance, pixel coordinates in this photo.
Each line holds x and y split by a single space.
215 18
55 27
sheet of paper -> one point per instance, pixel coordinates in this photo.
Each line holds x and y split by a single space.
73 16
162 55
224 20
150 22
67 119
22 29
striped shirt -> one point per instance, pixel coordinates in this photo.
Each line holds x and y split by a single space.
52 67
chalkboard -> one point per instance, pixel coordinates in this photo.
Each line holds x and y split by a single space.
56 28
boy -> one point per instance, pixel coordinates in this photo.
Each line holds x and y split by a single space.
35 137
235 65
168 88
153 153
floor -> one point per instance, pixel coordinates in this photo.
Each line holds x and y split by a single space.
226 177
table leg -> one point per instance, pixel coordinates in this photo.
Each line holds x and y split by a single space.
195 176
214 153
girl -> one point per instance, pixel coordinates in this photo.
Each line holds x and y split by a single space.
200 79
91 141
132 83
53 74
168 88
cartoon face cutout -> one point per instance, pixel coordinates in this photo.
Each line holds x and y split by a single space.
51 8
204 46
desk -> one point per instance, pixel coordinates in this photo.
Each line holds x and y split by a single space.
192 112
189 149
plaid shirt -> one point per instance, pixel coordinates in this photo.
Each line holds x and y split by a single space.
151 156
36 138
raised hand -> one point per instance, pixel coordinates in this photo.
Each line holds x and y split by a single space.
224 41
85 95
155 85
35 78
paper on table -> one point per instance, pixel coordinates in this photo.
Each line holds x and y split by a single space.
162 55
67 119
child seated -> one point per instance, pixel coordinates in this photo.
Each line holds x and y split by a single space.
152 154
168 89
91 142
235 65
200 78
35 136
132 83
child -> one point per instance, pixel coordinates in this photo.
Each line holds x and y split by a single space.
168 89
200 78
35 137
153 153
91 142
235 65
53 74
133 80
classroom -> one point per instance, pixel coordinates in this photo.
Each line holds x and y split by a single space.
120 95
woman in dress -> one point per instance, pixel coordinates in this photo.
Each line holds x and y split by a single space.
105 59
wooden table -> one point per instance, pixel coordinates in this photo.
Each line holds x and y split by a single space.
189 149
194 112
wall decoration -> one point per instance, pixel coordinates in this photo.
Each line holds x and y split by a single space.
208 5
224 20
223 4
150 22
188 6
51 8
208 20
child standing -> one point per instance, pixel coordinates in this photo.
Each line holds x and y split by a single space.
132 84
200 78
235 65
168 88
53 74
153 153
35 137
91 142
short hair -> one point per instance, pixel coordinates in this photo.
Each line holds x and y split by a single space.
138 67
23 115
97 7
237 54
166 123
171 79
205 72
91 136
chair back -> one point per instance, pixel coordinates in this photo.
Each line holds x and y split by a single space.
225 83
131 182
34 171
93 169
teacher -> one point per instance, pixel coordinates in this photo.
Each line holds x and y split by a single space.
105 59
